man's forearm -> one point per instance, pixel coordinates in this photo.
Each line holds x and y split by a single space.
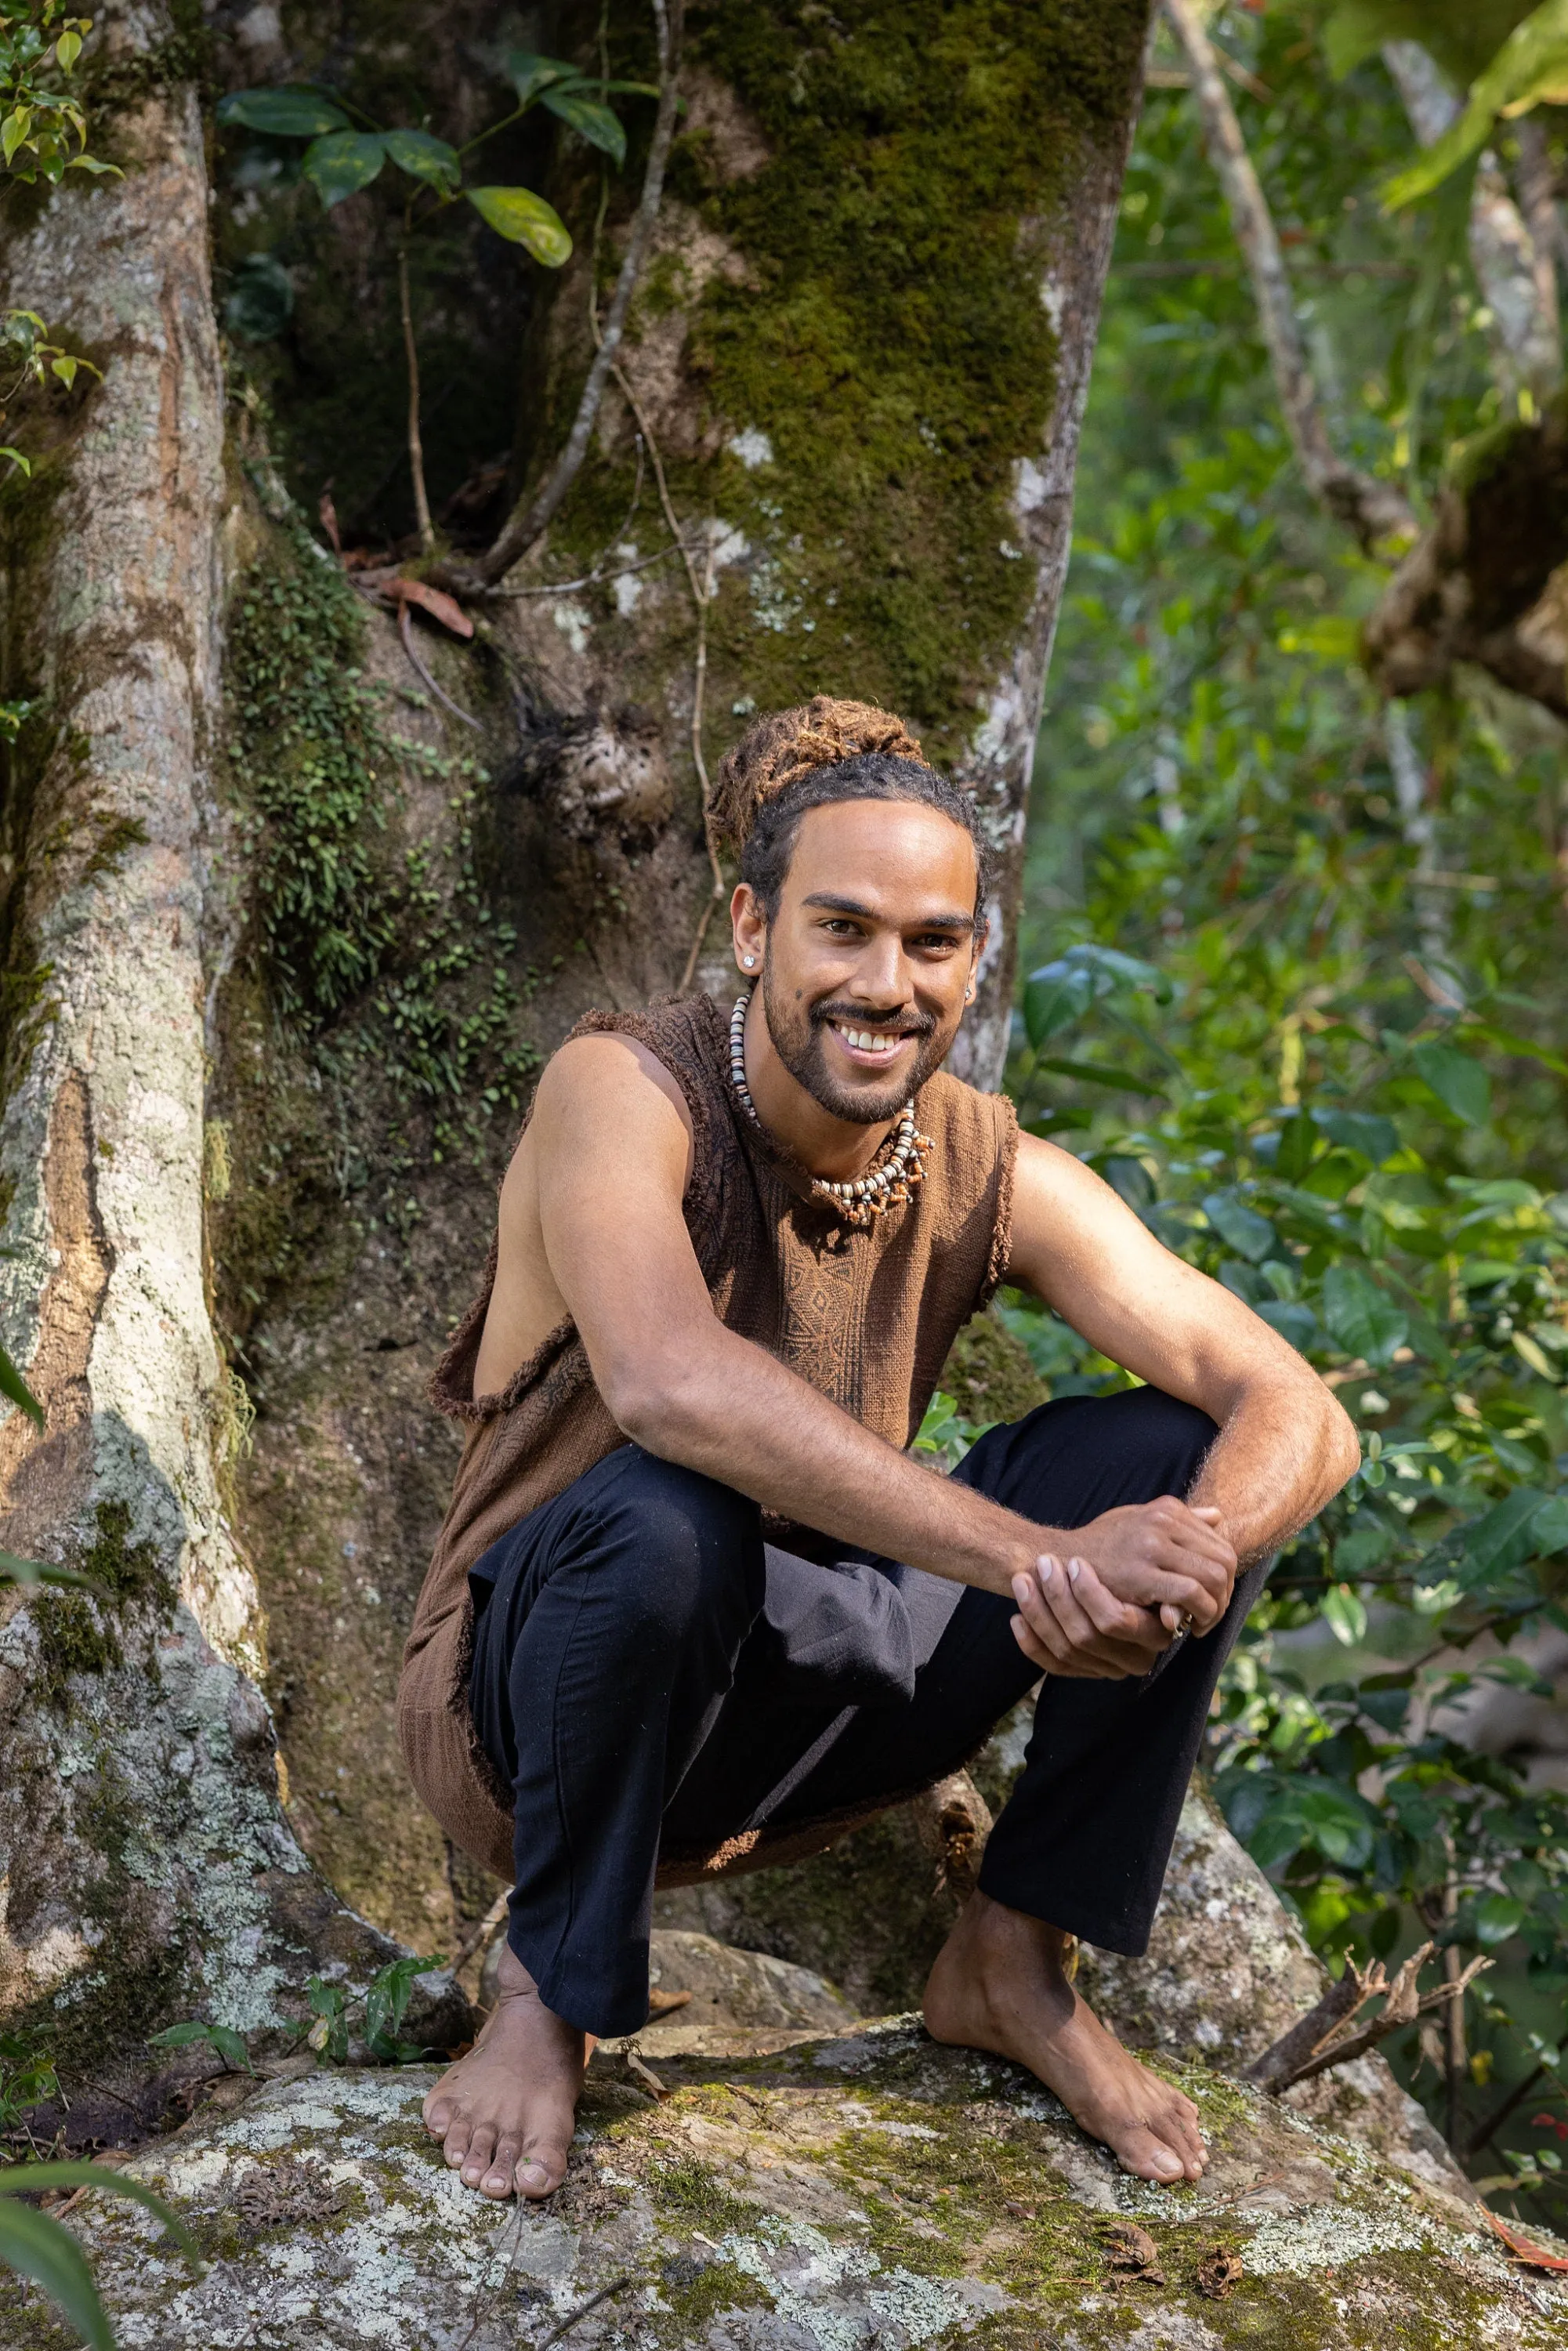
1283 1451
732 1411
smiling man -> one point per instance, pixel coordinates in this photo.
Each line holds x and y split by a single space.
695 1605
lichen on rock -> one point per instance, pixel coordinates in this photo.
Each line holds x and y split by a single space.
870 2189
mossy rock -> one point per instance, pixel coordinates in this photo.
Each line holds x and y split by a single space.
870 2190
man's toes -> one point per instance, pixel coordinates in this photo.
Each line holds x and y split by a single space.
498 2177
541 2169
437 2115
481 2147
1148 2158
459 2131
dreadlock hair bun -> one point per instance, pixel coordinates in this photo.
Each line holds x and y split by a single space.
790 744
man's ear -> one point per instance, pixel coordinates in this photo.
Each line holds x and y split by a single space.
976 949
748 927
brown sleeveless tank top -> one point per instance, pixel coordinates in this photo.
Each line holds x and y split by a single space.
866 1316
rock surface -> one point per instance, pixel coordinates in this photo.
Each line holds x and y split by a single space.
868 2189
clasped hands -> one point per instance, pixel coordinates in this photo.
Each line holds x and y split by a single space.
1132 1579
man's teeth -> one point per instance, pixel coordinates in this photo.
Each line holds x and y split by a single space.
868 1043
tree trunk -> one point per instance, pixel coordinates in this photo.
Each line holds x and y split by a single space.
296 902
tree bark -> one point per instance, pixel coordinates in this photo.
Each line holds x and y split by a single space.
148 1868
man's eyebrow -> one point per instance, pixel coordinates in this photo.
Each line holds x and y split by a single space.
835 906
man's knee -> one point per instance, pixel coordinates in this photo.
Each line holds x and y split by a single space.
1168 1435
686 1551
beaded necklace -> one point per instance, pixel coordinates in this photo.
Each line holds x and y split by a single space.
888 1185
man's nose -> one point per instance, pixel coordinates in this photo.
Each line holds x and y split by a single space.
881 976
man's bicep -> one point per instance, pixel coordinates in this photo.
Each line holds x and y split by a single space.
614 1152
1081 1249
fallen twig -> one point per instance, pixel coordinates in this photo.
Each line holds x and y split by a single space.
616 2285
405 631
480 1934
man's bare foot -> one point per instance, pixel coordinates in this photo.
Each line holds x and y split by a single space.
505 2111
999 1984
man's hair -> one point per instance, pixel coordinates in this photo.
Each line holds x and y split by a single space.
823 751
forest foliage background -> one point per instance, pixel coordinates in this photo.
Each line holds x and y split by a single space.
1297 992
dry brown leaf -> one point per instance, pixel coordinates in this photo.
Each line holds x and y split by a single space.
664 2003
1131 2249
1019 2212
1525 2249
440 606
1218 2272
644 2076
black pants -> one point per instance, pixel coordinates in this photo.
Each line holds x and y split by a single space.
648 1672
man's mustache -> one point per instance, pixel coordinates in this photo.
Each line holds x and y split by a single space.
855 1016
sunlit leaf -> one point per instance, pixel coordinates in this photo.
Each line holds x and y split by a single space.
1344 1613
282 113
525 219
343 164
14 129
590 120
1497 1916
1360 1318
1530 66
68 49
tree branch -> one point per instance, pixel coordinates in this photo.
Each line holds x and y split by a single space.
1516 277
1319 2040
1375 510
528 522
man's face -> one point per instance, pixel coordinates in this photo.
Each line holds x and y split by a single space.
867 962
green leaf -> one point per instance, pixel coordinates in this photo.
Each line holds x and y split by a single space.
34 2179
36 2247
1294 1323
1054 997
1298 1142
342 164
1241 1228
1532 66
590 120
427 159
386 2001
1375 1138
1457 1079
14 129
1341 1824
68 49
1549 1528
1503 1538
529 75
525 219
43 1570
13 1387
1360 1318
1344 1613
1097 1074
282 113
17 459
1497 1916
64 366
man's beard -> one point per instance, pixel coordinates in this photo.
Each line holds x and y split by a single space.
796 1034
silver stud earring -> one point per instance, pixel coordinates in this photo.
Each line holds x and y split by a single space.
749 961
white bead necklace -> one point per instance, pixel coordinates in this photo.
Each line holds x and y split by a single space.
858 1202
